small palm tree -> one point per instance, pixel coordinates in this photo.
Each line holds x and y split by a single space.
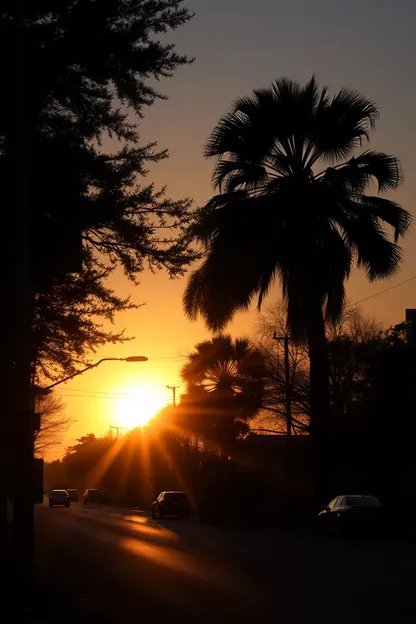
226 380
297 205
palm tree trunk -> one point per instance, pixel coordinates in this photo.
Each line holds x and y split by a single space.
319 403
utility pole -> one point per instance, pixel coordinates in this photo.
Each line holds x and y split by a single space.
288 402
285 340
117 429
173 388
23 439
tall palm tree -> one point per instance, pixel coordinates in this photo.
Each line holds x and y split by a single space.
295 203
225 379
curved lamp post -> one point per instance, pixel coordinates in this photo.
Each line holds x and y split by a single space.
132 358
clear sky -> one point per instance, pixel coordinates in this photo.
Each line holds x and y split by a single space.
240 45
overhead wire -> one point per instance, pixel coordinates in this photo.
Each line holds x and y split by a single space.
381 292
113 395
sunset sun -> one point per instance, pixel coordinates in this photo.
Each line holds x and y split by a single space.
138 405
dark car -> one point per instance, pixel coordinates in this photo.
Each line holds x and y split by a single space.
173 504
351 512
91 496
73 495
59 498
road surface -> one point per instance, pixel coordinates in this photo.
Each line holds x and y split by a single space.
98 564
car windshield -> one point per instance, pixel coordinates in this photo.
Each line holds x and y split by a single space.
363 501
176 497
60 492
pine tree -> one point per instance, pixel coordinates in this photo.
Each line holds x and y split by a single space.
90 71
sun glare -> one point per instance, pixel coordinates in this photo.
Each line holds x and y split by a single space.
138 405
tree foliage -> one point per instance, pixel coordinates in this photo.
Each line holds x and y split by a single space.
53 423
225 385
293 204
349 339
273 417
371 440
90 70
131 469
68 320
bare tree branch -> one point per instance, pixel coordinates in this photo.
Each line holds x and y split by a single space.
54 423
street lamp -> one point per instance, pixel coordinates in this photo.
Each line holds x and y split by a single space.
132 358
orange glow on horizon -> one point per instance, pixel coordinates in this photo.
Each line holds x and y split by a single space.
138 404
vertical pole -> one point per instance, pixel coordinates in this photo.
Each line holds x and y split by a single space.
287 387
288 402
173 388
288 412
23 465
288 426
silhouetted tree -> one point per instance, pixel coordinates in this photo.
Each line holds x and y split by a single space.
87 165
273 416
374 437
225 386
66 327
130 469
347 343
346 339
54 423
292 206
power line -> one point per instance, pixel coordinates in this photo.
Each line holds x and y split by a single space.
105 394
97 396
94 392
381 292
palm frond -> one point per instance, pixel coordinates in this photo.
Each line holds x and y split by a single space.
379 256
244 131
388 211
343 123
383 168
275 219
356 174
238 252
337 272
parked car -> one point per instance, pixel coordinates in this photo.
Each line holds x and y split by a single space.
91 496
353 511
59 498
73 495
171 503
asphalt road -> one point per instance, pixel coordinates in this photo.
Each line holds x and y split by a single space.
99 564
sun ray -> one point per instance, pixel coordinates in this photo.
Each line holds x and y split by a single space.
127 464
147 471
99 470
182 482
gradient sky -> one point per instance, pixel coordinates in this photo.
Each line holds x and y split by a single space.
240 45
